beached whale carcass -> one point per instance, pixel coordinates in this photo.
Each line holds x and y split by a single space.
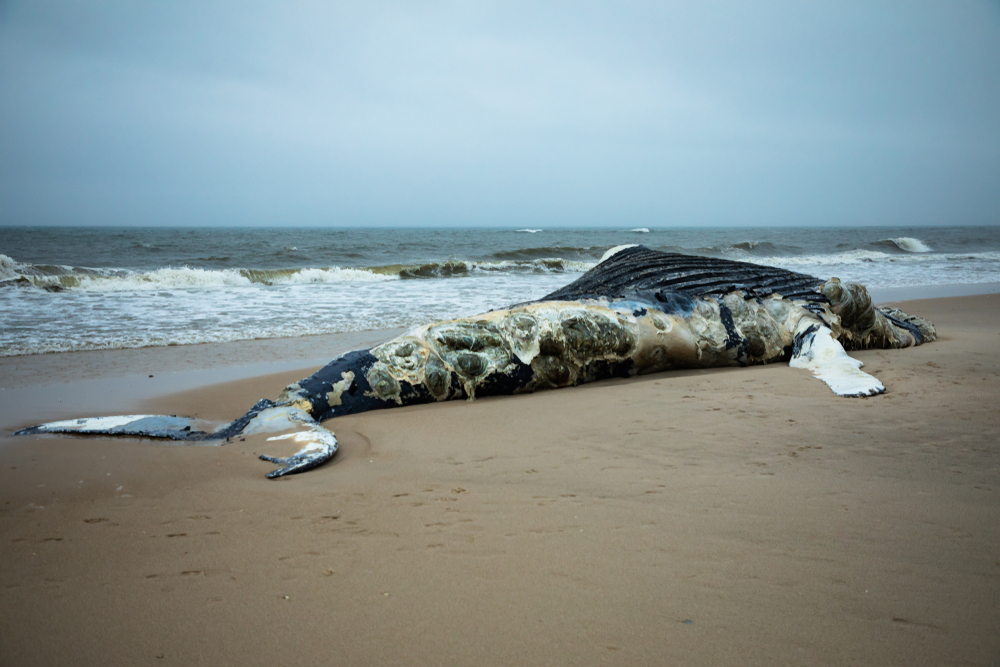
638 311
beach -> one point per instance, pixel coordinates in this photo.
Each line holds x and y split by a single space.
232 235
723 516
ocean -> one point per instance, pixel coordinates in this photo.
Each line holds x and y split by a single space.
75 288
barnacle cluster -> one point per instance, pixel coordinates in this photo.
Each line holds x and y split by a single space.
557 344
764 324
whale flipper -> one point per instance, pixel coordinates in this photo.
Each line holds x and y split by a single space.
170 427
818 350
153 426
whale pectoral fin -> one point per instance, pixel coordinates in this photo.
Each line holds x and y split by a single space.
818 350
319 447
152 426
171 427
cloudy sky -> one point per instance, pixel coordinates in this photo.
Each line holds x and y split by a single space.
479 113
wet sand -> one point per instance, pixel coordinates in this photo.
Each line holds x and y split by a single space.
730 516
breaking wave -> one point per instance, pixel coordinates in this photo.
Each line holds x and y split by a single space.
640 230
458 268
753 247
58 278
904 243
8 267
528 231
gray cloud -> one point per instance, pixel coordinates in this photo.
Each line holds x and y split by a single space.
478 113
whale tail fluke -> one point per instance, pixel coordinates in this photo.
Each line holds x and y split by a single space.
292 423
318 444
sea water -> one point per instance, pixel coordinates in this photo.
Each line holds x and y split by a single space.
78 288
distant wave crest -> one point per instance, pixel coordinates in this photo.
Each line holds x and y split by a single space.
640 230
459 268
755 247
528 231
548 252
908 244
904 244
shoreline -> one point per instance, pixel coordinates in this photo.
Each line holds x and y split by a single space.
707 516
883 295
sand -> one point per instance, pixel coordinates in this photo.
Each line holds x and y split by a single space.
731 516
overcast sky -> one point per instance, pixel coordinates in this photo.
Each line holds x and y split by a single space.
526 114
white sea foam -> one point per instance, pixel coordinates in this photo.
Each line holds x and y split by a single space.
640 230
528 231
910 244
332 275
192 278
169 278
870 257
849 257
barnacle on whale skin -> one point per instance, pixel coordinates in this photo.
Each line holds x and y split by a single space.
590 334
552 371
405 354
764 335
710 333
437 378
383 384
521 329
472 349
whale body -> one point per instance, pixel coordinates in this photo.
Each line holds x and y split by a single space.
638 311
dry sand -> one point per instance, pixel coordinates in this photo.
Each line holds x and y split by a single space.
733 516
